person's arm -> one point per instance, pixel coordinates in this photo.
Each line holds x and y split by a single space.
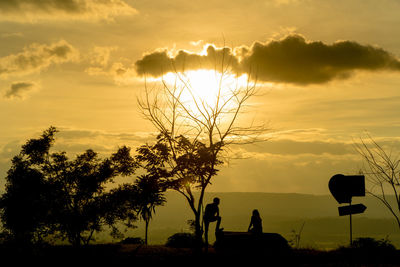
251 223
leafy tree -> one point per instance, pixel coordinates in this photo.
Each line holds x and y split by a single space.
48 191
192 165
83 207
26 203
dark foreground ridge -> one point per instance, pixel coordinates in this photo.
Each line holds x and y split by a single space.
142 255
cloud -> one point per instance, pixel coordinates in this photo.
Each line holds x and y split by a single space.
288 60
34 10
100 65
11 35
101 55
20 89
160 62
285 2
121 74
37 57
295 60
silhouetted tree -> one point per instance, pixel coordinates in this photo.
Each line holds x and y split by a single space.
150 195
383 172
152 185
195 131
27 200
82 209
25 203
47 191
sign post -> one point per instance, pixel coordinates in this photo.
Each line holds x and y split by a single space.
343 188
351 229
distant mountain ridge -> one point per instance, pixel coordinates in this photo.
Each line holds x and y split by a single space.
282 213
277 204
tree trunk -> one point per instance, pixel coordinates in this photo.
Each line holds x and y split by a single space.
146 232
198 232
76 241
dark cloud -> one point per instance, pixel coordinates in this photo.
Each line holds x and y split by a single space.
294 60
20 89
47 5
289 60
159 62
33 10
36 57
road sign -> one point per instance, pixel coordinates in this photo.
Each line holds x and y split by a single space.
344 187
351 209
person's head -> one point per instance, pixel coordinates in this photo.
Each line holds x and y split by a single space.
216 200
256 213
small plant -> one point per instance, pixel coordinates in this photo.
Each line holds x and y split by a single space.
296 237
181 240
192 225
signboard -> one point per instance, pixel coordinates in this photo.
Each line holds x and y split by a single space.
351 209
344 187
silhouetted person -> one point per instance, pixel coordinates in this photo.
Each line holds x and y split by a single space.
211 214
255 226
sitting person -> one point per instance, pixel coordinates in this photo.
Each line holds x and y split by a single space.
255 226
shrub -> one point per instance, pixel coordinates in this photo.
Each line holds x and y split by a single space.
181 240
370 244
367 249
133 240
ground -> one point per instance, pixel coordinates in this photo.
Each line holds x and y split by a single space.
141 255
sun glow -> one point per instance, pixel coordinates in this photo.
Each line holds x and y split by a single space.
205 89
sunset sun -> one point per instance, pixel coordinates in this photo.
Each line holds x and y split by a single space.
205 87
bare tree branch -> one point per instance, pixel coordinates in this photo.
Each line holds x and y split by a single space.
382 172
212 122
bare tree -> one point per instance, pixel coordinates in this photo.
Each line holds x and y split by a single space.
383 173
200 129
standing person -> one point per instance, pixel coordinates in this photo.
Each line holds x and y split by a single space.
211 214
255 226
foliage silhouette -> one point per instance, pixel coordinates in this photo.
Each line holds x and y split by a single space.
188 165
149 195
370 250
25 203
133 240
181 240
47 193
370 244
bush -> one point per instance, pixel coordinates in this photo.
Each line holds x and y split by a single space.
367 249
133 240
181 240
370 244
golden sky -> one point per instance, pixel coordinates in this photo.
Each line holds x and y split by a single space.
329 71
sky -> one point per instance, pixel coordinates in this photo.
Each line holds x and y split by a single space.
328 70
